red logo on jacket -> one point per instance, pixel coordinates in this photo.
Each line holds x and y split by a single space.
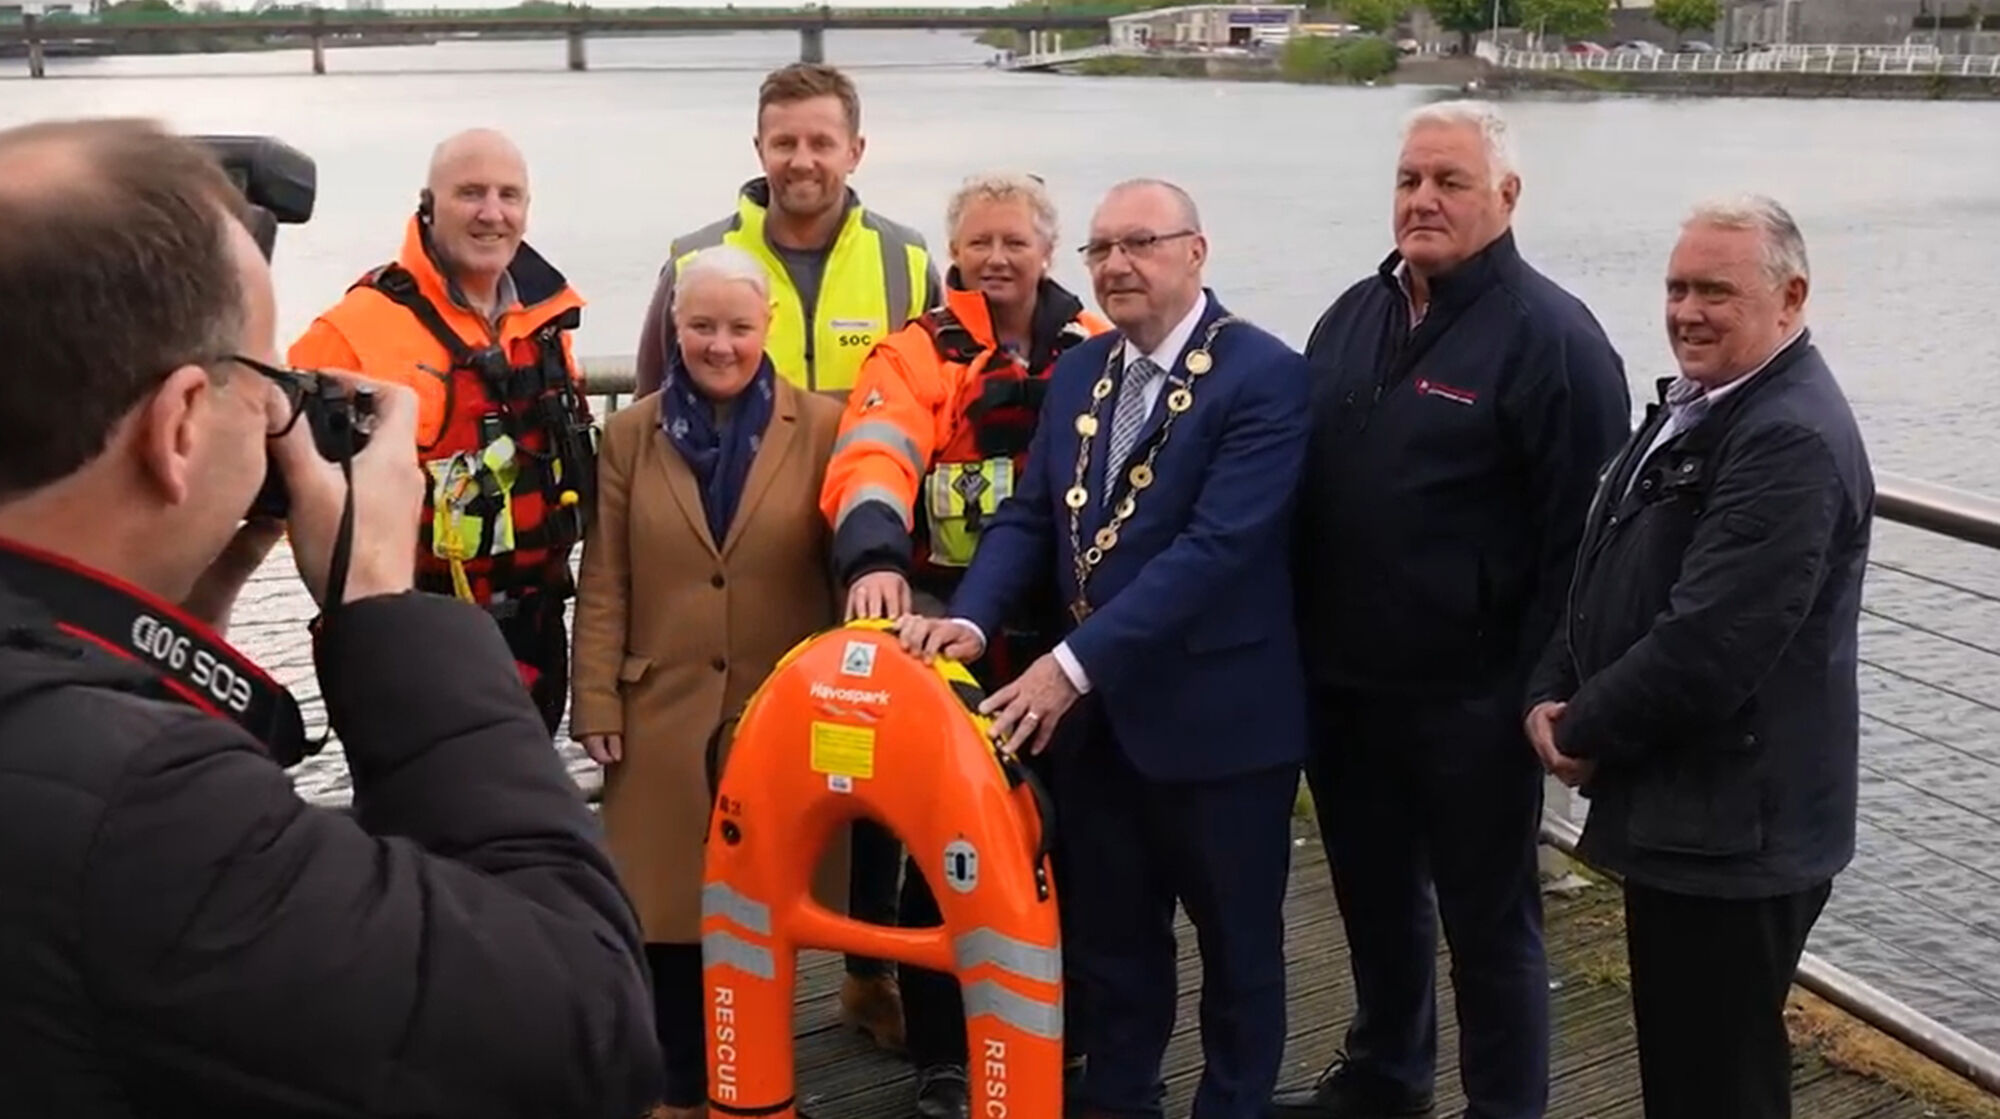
1428 387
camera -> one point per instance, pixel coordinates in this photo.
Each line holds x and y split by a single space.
281 184
340 419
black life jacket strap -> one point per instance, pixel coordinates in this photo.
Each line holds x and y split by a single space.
186 660
949 337
539 396
400 287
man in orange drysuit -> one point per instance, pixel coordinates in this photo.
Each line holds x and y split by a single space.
478 324
934 434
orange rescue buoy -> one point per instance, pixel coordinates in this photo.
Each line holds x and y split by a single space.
849 725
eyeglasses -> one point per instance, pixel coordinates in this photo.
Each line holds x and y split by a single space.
1136 245
293 383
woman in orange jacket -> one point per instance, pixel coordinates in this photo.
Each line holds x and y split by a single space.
934 434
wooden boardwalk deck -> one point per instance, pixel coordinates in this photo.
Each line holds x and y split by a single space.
1594 1074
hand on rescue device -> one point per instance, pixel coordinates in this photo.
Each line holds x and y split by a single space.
1026 711
388 500
930 638
604 749
1541 727
879 594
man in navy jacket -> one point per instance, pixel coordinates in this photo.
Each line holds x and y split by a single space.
1463 404
1702 689
1157 498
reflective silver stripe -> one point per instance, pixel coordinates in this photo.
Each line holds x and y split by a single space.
896 241
1030 1016
707 237
886 434
720 899
726 949
879 495
1029 961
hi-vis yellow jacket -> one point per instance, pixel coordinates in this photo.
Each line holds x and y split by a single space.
878 277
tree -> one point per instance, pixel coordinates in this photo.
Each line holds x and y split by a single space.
1469 17
1571 19
1683 16
1376 16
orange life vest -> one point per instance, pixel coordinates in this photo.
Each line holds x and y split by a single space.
846 726
938 425
503 428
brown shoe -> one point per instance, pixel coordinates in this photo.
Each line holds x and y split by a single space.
874 1005
662 1111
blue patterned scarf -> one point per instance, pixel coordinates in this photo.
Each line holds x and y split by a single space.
719 453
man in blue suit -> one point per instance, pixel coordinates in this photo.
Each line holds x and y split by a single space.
1157 496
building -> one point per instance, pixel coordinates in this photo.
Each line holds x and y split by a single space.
1206 26
1859 22
12 12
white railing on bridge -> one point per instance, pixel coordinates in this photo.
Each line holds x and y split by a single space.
1786 60
1040 60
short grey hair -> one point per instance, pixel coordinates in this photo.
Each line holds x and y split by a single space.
1189 214
722 263
1004 186
1481 115
1784 245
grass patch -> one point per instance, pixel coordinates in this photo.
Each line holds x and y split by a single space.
1118 66
1815 1026
1848 1043
1317 60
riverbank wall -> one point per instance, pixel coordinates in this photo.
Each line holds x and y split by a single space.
1750 83
1472 74
1454 72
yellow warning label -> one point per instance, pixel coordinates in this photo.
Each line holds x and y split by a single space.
842 750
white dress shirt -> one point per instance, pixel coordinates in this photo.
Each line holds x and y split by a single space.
1165 355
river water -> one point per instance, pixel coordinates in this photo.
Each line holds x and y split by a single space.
1896 200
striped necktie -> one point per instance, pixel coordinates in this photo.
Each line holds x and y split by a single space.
1130 416
1687 403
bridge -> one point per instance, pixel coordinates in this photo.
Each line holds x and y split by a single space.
41 37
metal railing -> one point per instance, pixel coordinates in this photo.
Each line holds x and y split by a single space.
1888 62
1940 509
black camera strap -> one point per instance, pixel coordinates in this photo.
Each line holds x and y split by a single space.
191 663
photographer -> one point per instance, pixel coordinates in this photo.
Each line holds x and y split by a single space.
179 932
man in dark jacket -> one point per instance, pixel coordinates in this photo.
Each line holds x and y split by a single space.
1463 406
1702 690
179 933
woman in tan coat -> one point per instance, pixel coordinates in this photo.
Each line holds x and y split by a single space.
706 562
